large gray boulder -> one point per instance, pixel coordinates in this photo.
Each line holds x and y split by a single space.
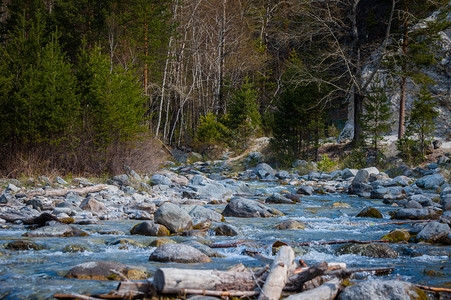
92 205
415 214
180 253
362 176
278 199
263 170
211 189
60 230
348 173
246 208
173 217
106 270
201 214
370 250
429 182
382 290
305 190
360 189
389 193
434 232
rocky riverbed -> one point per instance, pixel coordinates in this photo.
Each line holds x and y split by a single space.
67 237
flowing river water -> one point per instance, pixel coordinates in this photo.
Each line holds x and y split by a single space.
40 274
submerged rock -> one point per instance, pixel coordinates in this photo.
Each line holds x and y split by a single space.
178 253
397 235
23 245
104 270
382 290
290 224
60 230
370 212
246 208
370 250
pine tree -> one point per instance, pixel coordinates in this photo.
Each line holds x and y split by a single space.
375 121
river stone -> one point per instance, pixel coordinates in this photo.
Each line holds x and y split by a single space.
92 205
397 235
370 250
13 215
150 229
246 208
173 217
36 204
23 245
382 290
160 179
362 176
446 202
305 190
59 230
201 214
372 170
415 214
413 204
226 230
370 212
75 248
102 270
178 253
360 189
389 193
282 174
263 170
278 199
9 200
161 242
434 232
293 197
429 182
348 173
290 224
401 181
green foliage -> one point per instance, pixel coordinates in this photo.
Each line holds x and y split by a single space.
420 128
243 116
356 159
325 164
211 132
112 99
375 121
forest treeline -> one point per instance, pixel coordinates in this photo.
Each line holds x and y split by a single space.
87 85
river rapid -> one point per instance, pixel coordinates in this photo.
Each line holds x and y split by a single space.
40 274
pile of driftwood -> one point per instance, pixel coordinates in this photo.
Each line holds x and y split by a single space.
284 277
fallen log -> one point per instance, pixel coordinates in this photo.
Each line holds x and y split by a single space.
278 274
176 281
341 242
230 293
74 296
296 281
326 291
226 245
62 192
433 289
345 273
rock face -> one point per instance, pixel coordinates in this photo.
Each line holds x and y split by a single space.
173 218
101 270
56 231
178 253
246 208
150 229
370 250
382 290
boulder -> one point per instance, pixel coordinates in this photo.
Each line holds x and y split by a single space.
290 224
93 205
370 212
173 217
149 229
413 204
180 253
283 174
446 202
305 190
347 134
389 193
246 208
23 245
161 242
433 232
370 250
348 173
278 199
293 197
203 248
415 214
429 182
263 170
160 179
59 230
362 176
382 290
226 230
104 270
374 170
397 235
201 214
360 189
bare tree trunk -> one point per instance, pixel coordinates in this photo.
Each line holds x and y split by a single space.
402 100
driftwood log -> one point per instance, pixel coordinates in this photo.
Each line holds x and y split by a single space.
62 192
278 274
326 291
341 242
296 281
180 281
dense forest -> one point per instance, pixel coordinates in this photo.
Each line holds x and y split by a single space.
91 85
